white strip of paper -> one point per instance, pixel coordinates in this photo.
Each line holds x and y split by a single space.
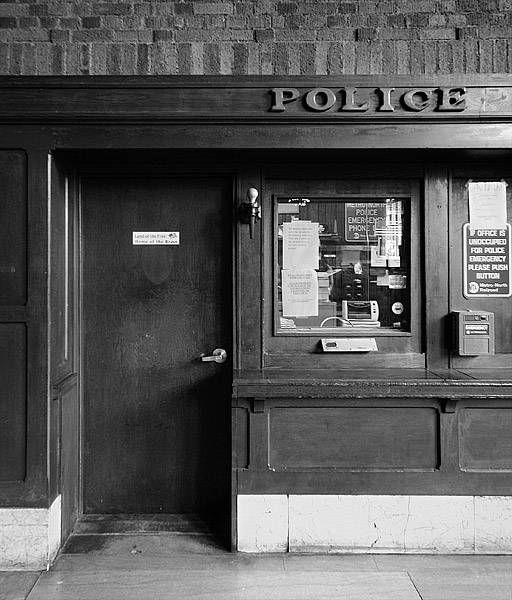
487 204
156 238
301 244
300 293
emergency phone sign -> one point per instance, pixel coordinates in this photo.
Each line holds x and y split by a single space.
487 258
362 219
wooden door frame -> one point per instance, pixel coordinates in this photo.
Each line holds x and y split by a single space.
96 166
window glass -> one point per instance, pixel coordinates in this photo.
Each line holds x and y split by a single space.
343 264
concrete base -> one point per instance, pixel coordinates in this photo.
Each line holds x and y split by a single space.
375 524
29 537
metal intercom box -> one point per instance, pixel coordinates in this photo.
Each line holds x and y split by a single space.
473 332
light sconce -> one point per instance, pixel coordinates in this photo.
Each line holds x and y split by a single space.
249 211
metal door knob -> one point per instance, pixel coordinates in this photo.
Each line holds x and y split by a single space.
219 355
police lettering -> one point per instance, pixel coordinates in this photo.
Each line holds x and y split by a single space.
350 99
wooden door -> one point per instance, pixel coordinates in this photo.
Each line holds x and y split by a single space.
155 417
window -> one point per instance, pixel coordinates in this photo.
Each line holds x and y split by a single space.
343 265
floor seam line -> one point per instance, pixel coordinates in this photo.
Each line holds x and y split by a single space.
415 586
33 585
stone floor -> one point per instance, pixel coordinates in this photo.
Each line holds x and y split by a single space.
169 566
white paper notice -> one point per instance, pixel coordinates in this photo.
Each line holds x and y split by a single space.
487 204
301 245
156 238
300 293
376 259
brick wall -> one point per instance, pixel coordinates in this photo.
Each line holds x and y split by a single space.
81 37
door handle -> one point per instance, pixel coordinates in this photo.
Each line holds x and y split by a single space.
219 355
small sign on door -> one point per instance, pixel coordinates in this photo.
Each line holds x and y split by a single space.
156 238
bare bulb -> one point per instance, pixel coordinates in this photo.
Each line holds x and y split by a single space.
252 195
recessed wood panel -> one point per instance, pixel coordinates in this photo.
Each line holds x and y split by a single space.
240 458
13 232
485 439
354 438
13 400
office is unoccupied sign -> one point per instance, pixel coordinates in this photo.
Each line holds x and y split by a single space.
487 261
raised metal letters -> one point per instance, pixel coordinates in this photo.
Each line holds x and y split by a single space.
350 99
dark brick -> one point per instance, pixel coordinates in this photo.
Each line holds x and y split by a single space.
246 8
337 21
60 9
15 59
500 56
91 22
38 10
334 59
8 22
348 8
211 8
92 36
470 6
281 59
240 59
399 34
307 59
396 21
487 33
4 59
116 8
142 10
69 23
296 35
418 6
367 34
165 22
60 35
295 22
211 59
56 59
123 22
437 34
316 8
464 33
287 8
143 65
417 20
264 35
184 58
184 9
46 22
114 59
130 37
194 35
336 35
163 35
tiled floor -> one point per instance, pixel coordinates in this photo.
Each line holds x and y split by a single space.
165 566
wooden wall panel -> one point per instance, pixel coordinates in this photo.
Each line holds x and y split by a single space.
13 401
69 458
485 439
459 215
61 280
13 223
240 420
354 438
